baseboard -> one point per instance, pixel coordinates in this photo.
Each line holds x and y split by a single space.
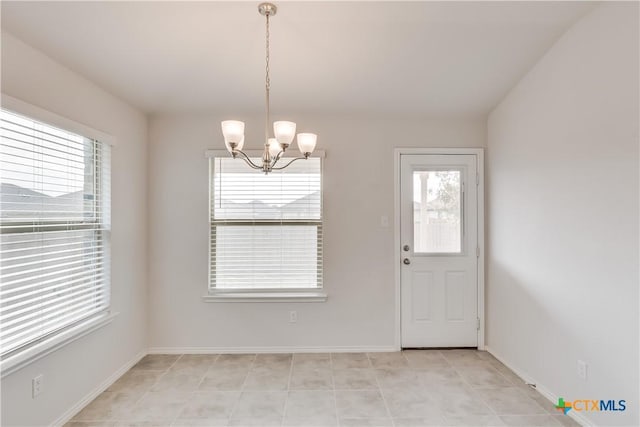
280 349
541 388
71 412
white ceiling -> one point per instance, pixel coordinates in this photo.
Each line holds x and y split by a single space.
402 58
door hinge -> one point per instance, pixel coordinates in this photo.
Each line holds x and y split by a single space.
478 323
477 251
477 178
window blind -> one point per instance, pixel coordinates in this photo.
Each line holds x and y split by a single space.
266 230
54 230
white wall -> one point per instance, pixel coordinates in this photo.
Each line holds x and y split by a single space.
77 369
359 270
563 228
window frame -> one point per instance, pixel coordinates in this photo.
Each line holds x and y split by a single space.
315 294
41 347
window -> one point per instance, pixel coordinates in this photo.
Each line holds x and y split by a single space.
266 230
54 223
437 213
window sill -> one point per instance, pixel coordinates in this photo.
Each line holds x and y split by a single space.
278 295
40 350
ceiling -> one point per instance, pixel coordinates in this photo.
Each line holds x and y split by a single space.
392 58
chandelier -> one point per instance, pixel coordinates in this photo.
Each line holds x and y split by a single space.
284 132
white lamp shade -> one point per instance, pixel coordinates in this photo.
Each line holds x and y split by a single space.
238 147
284 132
274 147
233 131
307 142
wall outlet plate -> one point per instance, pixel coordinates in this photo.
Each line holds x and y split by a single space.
37 385
582 369
293 316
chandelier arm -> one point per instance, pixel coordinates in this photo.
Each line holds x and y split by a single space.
277 158
293 160
247 159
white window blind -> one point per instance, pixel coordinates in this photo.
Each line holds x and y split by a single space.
266 230
54 223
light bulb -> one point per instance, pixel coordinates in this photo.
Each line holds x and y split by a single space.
307 142
274 147
233 131
284 132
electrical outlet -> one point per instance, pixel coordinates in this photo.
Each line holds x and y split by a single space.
293 316
582 369
37 385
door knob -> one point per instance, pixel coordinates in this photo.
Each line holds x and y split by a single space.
406 261
406 248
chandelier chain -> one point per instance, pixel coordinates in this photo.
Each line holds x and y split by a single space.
268 79
267 82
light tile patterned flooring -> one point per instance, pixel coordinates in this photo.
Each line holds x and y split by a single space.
409 388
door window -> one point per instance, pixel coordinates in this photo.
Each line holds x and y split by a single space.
437 211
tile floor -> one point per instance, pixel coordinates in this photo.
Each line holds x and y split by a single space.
411 388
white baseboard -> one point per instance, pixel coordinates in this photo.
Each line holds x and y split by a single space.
541 388
282 349
77 407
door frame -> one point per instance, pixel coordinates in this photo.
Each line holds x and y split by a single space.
397 256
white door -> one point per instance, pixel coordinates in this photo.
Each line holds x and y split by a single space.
439 254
